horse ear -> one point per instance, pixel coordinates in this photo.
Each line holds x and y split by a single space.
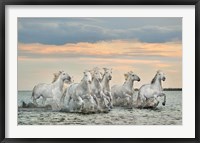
104 69
96 68
158 71
126 76
91 71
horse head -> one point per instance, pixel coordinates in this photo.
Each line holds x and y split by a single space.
107 73
97 74
131 76
65 77
160 75
87 76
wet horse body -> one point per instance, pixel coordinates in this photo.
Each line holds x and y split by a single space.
79 96
105 82
97 90
148 93
123 94
53 90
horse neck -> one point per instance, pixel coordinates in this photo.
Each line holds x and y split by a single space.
59 82
84 84
128 83
96 83
157 83
105 83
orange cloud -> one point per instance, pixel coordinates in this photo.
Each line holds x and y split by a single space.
104 48
121 55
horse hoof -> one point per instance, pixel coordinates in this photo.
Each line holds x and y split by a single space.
163 104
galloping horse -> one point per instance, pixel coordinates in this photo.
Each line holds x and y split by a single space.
78 92
97 90
151 91
53 90
123 94
107 76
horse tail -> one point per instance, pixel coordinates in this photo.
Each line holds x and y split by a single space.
33 93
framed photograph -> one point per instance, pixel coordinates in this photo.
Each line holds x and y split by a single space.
105 71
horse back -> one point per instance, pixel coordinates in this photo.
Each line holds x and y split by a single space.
42 88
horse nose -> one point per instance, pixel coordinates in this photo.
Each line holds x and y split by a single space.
69 78
164 78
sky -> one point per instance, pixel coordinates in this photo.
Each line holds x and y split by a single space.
142 45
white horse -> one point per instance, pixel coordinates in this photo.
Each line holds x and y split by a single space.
105 82
78 95
123 94
53 90
97 90
148 93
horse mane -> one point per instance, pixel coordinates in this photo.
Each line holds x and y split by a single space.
103 75
96 69
104 72
56 75
154 79
126 75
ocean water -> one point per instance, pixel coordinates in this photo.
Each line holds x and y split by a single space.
170 114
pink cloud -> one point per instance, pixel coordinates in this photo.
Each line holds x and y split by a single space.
105 48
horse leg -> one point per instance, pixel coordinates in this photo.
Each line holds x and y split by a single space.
34 101
104 98
80 100
43 101
139 102
62 99
110 99
95 99
143 100
129 101
162 94
35 98
68 99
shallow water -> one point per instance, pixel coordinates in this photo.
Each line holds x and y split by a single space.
170 114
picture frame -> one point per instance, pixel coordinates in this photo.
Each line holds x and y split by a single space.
3 5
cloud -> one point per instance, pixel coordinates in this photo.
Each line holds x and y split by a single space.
58 31
121 55
127 49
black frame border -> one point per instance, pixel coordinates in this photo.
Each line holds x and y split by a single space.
4 3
